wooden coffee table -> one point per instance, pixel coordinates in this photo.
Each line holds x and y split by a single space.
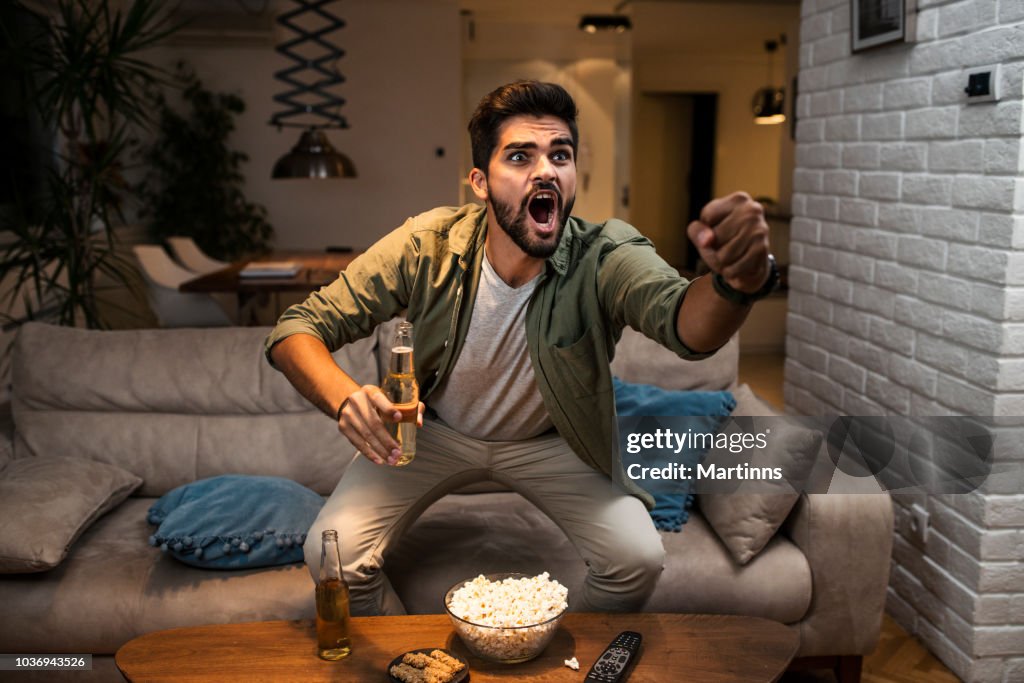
676 647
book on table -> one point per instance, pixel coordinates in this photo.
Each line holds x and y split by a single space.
271 269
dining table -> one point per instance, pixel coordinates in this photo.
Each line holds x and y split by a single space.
313 269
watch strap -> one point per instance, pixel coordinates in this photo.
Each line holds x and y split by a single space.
739 298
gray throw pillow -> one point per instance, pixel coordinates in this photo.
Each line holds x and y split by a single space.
47 502
745 522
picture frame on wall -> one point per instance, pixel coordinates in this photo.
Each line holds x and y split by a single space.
881 22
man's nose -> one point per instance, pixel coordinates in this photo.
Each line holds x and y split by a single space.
544 169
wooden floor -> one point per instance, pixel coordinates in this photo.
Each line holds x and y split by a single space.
763 372
899 657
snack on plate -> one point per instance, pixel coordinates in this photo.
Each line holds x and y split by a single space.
417 659
446 659
437 667
409 674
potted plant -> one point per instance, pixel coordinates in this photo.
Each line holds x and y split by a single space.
194 183
90 85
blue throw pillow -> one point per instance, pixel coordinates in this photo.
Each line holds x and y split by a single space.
672 504
235 521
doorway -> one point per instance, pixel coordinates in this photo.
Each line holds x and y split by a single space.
673 169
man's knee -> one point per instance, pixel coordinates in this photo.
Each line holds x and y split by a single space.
311 550
624 579
643 560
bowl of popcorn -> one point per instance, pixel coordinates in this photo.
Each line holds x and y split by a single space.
506 618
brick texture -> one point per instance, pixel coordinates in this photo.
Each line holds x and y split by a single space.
908 290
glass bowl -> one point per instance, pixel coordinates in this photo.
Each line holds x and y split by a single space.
503 644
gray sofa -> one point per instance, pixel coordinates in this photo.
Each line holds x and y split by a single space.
172 406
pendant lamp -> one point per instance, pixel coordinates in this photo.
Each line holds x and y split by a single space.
769 103
310 104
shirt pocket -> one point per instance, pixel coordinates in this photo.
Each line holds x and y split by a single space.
577 364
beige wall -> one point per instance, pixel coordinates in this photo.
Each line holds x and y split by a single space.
706 47
711 48
403 90
662 151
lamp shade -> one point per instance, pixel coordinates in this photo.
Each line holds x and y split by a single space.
314 157
592 23
768 106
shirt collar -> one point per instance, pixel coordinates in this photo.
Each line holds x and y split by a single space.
467 233
563 254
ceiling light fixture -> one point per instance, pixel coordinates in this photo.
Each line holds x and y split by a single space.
309 103
769 103
592 23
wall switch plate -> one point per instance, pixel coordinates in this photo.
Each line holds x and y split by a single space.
982 84
918 523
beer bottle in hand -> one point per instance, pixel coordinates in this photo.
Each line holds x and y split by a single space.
401 388
332 616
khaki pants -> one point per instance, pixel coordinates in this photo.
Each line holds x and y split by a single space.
373 505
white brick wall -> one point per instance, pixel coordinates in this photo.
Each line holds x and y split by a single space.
907 250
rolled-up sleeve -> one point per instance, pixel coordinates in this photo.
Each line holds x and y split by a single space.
639 289
373 289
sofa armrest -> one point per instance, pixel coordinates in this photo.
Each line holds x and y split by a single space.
847 540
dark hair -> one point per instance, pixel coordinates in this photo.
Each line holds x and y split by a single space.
522 97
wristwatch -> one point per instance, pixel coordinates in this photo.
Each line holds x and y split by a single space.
743 298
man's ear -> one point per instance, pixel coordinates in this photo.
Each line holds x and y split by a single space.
478 181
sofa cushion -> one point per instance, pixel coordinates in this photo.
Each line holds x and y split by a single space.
235 521
642 360
175 405
113 587
672 498
748 515
46 503
461 536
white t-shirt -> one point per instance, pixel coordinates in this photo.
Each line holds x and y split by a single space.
491 393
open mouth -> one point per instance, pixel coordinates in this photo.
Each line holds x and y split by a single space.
542 207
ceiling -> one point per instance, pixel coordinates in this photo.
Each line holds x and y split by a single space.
513 9
253 20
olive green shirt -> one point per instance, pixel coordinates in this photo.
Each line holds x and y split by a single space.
600 279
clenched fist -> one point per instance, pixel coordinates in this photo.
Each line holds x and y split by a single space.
732 238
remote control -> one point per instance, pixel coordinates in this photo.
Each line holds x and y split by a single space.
613 664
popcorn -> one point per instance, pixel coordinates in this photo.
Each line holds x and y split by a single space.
573 664
507 617
510 602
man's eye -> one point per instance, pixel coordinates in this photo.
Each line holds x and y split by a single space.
518 156
561 156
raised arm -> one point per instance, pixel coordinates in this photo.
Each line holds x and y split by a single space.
732 238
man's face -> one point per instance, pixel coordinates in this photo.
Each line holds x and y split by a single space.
531 182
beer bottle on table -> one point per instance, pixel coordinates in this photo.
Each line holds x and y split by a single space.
401 388
332 615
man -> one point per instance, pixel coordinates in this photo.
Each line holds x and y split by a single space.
517 307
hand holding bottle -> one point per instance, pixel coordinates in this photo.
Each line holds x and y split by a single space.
381 422
364 420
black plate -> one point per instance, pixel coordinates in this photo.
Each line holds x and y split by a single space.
460 677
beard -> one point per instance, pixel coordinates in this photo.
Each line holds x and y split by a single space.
513 220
